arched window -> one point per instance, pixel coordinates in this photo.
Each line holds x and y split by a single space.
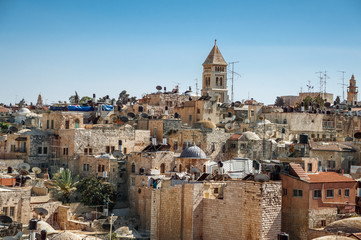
217 81
162 168
133 168
220 81
180 167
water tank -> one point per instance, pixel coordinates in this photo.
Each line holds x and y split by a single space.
283 236
43 235
303 138
33 224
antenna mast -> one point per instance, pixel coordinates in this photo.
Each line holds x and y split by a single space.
233 72
196 80
309 86
343 84
321 82
325 76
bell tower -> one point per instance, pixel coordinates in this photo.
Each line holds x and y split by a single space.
352 92
214 79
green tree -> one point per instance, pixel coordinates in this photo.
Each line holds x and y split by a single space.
319 101
95 191
123 97
63 185
85 100
279 102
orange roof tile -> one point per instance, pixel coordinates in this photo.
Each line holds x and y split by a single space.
297 171
235 137
328 177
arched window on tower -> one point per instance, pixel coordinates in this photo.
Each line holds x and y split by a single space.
221 81
217 81
162 168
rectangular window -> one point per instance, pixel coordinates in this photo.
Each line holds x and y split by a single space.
175 146
45 150
90 150
190 118
347 192
112 149
215 190
316 193
67 124
329 193
99 168
5 211
52 124
309 167
297 192
40 150
125 150
331 164
133 181
233 145
12 211
107 149
323 223
47 124
12 148
284 191
340 192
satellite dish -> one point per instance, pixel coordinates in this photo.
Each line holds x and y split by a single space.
269 133
13 129
24 166
41 211
357 135
124 119
228 126
144 115
131 115
5 219
36 170
261 178
159 88
23 172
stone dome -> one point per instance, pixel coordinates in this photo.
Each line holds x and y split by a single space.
348 225
193 152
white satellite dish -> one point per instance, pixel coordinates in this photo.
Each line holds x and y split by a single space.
36 170
24 166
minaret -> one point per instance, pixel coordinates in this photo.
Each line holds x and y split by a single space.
352 92
39 103
214 77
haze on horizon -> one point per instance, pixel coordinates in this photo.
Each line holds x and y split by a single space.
103 47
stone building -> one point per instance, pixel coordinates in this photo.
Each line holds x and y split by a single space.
15 203
352 92
217 210
314 200
214 79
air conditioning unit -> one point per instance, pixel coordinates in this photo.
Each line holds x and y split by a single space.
165 141
154 141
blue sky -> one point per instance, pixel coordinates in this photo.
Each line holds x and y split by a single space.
104 47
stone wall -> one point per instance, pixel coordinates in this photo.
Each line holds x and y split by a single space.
248 210
20 200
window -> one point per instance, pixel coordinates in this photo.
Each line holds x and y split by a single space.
323 223
340 192
107 149
215 190
12 211
175 145
67 123
309 167
162 168
198 110
284 191
331 164
65 151
12 148
112 148
297 192
220 81
76 123
86 167
47 124
233 145
133 181
329 193
133 168
190 118
180 167
45 150
40 150
52 124
5 211
125 150
347 192
316 193
85 151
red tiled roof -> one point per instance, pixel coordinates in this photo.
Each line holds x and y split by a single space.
3 109
328 177
297 171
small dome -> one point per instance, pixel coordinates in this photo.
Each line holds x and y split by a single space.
193 152
348 225
205 124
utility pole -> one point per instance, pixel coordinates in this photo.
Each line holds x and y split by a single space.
343 84
232 63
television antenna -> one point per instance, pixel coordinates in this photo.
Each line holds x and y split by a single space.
309 86
343 84
233 72
196 80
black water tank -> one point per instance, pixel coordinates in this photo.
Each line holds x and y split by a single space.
283 236
43 235
33 224
10 170
303 138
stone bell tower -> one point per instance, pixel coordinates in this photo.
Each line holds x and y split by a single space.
214 79
352 92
